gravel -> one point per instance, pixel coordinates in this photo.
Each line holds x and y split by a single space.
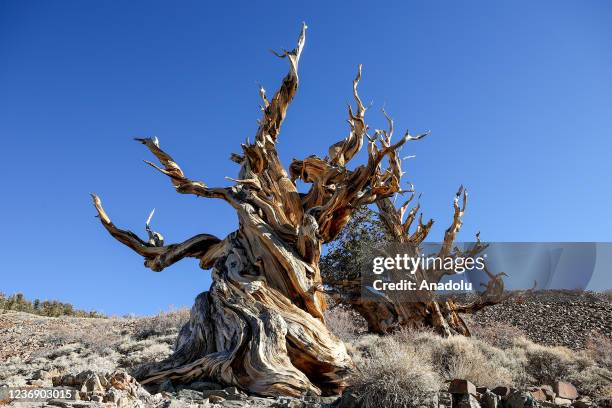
554 318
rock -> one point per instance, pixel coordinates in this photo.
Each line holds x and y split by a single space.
174 403
490 400
166 386
518 399
331 400
233 393
215 399
468 401
44 374
59 403
445 400
203 385
191 395
563 401
74 404
259 402
92 383
223 394
548 391
38 383
482 390
565 390
349 400
538 394
582 403
67 380
502 391
461 387
112 395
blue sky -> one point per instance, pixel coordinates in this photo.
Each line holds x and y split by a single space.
518 96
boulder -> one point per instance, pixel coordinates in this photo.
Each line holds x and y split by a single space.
44 374
519 399
548 391
565 390
502 391
468 401
563 401
215 399
490 400
538 394
191 395
582 402
458 386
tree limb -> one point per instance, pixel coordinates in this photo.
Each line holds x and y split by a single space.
159 257
182 184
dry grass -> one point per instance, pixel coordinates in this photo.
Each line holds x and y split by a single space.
164 323
499 335
393 374
403 369
599 348
344 322
71 345
468 358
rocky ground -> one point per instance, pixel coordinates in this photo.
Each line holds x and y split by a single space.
554 318
94 356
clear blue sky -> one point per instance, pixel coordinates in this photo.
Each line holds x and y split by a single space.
518 96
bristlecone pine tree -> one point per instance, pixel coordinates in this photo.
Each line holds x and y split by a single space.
388 311
261 325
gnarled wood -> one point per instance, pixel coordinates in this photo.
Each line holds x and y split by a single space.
261 325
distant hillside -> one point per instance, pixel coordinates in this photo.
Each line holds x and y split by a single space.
51 308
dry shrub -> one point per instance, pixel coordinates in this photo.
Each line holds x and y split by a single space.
393 374
545 365
164 323
99 338
140 352
400 368
345 322
499 335
595 382
599 348
471 359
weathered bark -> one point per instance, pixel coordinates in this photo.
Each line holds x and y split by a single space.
261 325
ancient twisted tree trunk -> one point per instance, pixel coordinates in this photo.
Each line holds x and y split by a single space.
261 325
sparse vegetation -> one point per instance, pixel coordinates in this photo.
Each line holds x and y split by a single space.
394 374
52 308
162 324
344 322
402 369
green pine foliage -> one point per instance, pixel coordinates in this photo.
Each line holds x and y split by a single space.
347 254
52 308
